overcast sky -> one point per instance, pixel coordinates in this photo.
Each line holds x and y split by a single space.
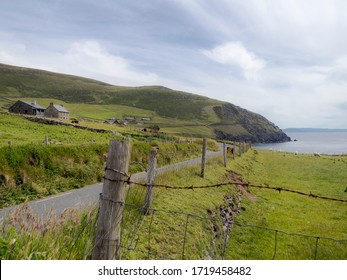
284 59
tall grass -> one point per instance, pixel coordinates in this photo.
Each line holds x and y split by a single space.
68 236
34 171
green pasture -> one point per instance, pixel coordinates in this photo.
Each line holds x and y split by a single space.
22 131
94 115
289 212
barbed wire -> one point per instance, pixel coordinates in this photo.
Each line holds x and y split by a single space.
279 189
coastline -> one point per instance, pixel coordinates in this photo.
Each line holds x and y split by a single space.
332 143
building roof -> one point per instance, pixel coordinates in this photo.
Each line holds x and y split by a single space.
60 108
33 104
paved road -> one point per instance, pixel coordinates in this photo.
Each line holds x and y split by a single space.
89 195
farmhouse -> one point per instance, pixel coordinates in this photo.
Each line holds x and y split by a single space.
27 108
114 121
129 118
57 111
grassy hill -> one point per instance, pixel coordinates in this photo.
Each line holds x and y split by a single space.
174 111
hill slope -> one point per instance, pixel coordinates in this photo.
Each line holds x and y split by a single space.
211 117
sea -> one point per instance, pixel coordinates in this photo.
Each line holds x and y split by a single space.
330 142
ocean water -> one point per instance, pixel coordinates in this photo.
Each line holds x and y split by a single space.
332 143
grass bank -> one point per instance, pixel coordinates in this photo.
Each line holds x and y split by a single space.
29 172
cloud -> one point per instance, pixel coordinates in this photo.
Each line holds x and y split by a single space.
235 54
90 59
84 58
283 59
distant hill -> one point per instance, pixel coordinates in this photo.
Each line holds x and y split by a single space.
221 119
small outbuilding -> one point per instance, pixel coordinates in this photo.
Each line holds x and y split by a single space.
57 111
27 108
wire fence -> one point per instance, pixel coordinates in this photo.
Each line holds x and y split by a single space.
140 239
167 234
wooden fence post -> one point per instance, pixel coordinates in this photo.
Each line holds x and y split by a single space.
234 150
203 158
224 155
46 141
240 152
108 233
152 164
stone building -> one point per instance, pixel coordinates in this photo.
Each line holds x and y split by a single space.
57 111
27 108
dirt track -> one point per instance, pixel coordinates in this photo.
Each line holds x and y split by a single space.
233 176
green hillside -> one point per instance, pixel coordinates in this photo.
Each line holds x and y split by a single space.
175 111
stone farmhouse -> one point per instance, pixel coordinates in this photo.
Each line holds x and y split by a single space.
57 111
27 108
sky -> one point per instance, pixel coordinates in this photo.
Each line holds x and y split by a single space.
283 59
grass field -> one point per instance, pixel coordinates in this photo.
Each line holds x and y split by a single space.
98 113
22 131
170 227
292 213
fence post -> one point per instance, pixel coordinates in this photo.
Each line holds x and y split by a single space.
108 232
203 158
46 141
234 150
224 155
152 164
240 152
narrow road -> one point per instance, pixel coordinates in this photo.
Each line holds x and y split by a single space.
89 195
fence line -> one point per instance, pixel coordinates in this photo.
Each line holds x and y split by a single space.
121 176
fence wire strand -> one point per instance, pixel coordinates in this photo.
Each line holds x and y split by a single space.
279 189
